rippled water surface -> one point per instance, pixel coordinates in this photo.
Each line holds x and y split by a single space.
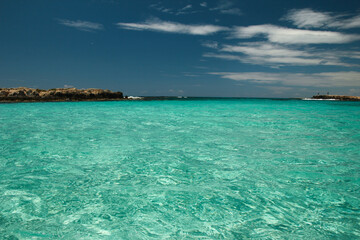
194 169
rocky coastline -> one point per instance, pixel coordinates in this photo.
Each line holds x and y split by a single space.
23 94
337 97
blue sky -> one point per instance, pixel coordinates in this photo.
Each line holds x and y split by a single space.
191 48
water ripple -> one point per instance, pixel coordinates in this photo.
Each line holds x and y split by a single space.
219 169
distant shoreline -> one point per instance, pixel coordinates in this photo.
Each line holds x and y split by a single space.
23 94
337 97
64 100
31 95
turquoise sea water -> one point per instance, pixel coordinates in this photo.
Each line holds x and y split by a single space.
194 169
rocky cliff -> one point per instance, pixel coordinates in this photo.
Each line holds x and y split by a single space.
23 94
337 97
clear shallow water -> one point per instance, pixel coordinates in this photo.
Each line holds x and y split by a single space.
195 169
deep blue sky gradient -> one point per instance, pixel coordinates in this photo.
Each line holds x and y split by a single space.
36 50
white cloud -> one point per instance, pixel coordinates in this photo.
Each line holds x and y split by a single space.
284 35
82 25
265 49
348 54
353 22
324 79
186 7
203 4
223 56
172 27
223 4
160 8
308 18
227 7
273 61
276 55
210 44
184 10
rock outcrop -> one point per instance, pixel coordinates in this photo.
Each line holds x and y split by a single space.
23 94
337 97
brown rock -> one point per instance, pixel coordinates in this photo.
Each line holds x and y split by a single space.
57 94
337 97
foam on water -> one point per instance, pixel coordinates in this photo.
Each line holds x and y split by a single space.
320 99
181 169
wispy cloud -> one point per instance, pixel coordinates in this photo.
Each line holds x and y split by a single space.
172 27
227 7
232 11
187 9
308 18
353 22
160 8
210 44
81 25
203 4
347 54
265 49
189 6
273 61
324 79
276 55
284 35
